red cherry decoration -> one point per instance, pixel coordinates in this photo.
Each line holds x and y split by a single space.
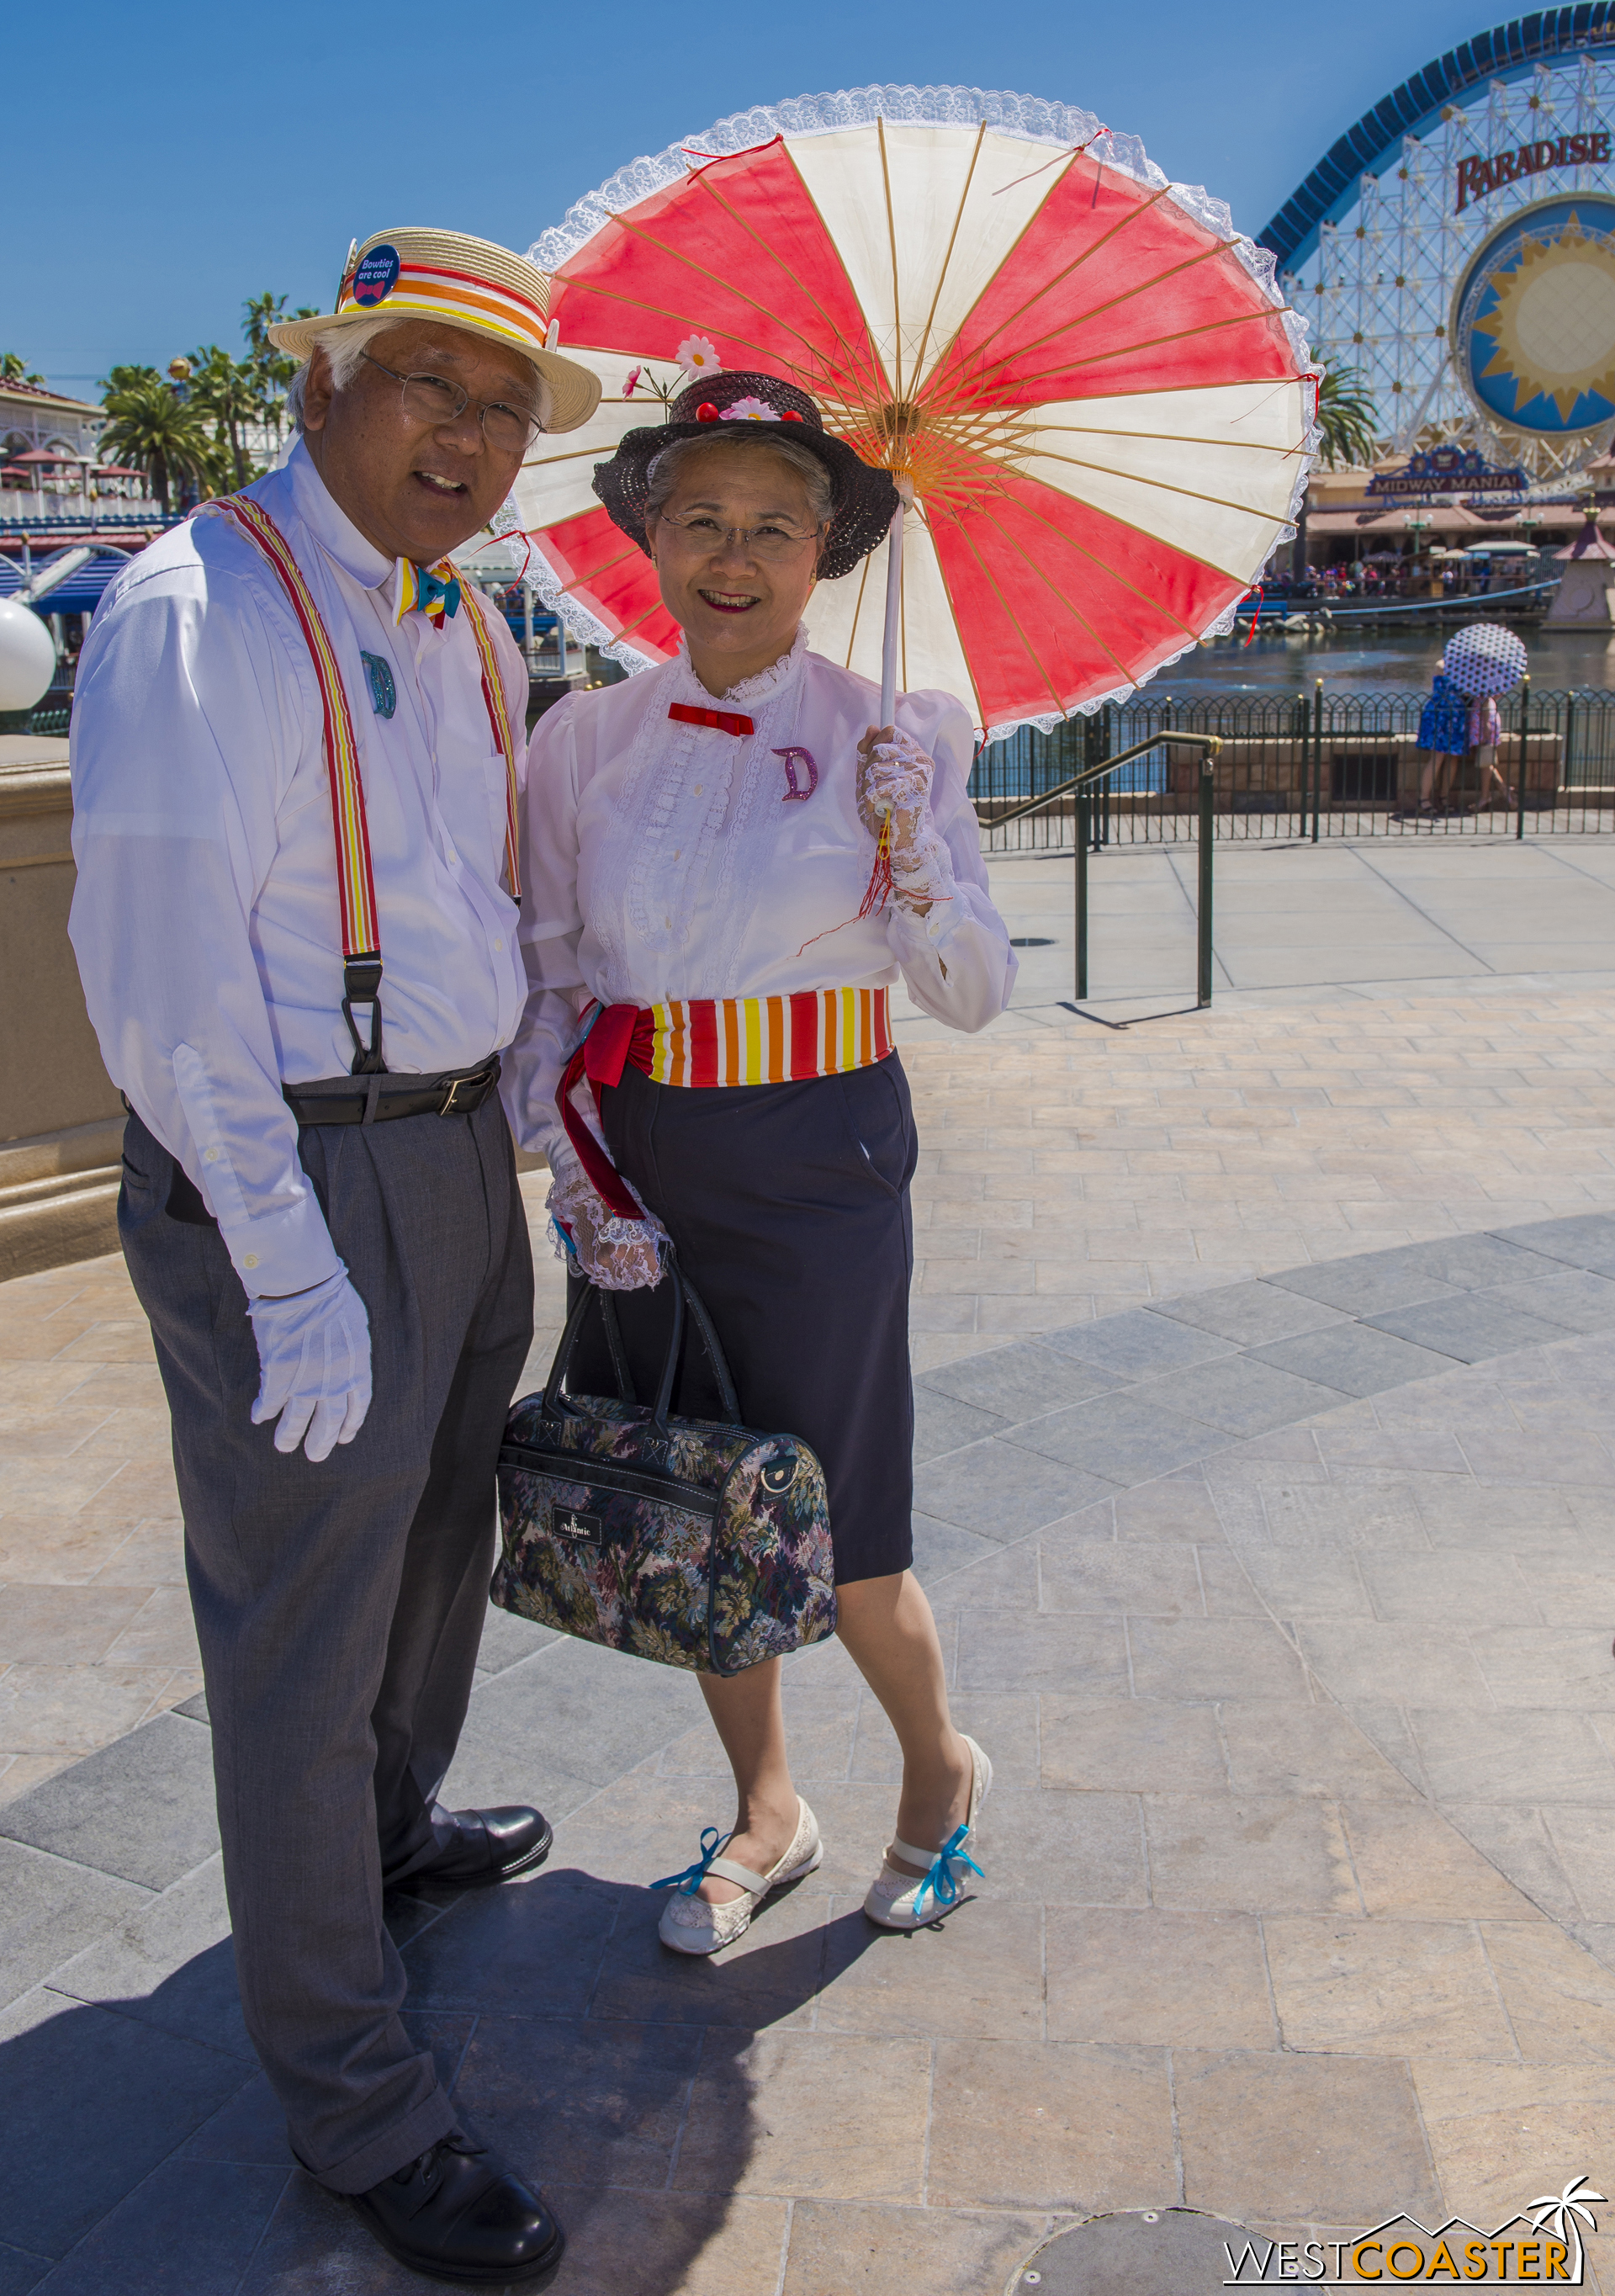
789 414
707 413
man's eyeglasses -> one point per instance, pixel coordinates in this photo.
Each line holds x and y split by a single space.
771 542
433 399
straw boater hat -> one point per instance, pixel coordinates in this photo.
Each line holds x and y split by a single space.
411 274
863 497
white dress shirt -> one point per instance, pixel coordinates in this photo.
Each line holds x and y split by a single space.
662 861
206 919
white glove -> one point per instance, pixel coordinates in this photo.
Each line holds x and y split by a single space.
313 1349
619 1255
895 777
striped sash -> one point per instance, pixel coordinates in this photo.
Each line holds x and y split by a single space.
728 1040
769 1040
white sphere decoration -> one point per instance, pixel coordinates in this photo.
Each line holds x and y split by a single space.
28 656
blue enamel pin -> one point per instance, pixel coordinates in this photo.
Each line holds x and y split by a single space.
383 692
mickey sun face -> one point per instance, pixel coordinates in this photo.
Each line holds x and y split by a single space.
1552 326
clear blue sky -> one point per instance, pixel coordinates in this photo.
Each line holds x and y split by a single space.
164 162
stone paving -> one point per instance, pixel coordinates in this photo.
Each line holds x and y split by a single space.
1266 1480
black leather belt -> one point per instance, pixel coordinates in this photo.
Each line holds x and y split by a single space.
381 1099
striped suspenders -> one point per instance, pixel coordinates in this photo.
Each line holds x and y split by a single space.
355 879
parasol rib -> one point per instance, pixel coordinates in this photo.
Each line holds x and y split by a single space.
1102 644
953 615
587 573
572 454
702 271
897 303
1149 343
1132 526
1161 437
953 236
853 355
1192 493
1028 648
1132 216
1129 295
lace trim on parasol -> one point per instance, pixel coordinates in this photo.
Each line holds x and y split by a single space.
1060 125
558 599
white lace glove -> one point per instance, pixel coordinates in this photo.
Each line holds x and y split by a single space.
313 1351
619 1255
895 776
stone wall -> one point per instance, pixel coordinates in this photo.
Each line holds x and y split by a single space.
61 1119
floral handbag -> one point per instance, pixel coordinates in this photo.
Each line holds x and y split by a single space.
693 1542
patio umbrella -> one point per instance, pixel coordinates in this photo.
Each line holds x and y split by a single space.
1484 658
1085 378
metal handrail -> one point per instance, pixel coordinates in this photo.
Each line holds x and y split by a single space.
1076 785
1212 742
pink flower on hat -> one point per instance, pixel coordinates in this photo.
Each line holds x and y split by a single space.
697 356
751 410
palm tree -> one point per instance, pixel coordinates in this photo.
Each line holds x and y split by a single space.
1348 421
1348 427
1561 2211
15 369
151 431
224 393
271 369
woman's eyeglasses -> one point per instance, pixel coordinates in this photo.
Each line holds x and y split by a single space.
434 399
771 542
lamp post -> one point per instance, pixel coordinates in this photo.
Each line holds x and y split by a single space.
1417 523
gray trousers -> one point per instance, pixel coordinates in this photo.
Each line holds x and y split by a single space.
340 1606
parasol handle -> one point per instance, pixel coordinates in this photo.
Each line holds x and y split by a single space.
894 606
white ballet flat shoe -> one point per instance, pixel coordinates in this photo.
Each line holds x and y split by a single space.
689 1925
908 1901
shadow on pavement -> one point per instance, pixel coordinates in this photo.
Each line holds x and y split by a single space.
606 2069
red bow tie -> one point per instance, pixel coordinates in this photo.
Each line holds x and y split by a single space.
726 721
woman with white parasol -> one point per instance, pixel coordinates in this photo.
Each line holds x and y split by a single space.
1482 662
1461 719
728 847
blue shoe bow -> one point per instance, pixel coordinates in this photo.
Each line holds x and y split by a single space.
939 1881
712 1843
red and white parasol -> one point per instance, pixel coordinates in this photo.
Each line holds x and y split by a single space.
1087 380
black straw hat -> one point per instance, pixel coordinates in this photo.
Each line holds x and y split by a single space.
864 499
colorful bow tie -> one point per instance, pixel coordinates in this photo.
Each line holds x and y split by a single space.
434 589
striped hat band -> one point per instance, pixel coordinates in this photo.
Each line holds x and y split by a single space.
416 289
447 277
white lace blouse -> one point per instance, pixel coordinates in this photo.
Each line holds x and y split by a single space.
663 860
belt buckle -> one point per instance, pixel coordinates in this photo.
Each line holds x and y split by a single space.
449 1107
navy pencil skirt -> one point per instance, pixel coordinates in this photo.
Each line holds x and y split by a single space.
788 1204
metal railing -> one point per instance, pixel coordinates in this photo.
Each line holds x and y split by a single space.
1079 789
1299 765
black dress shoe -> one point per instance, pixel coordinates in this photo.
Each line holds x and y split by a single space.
488 1846
459 2214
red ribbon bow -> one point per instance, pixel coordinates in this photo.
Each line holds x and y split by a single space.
726 721
621 1036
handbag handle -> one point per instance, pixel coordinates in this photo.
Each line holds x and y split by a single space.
685 1295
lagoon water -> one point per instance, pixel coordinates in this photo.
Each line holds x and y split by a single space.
1382 660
